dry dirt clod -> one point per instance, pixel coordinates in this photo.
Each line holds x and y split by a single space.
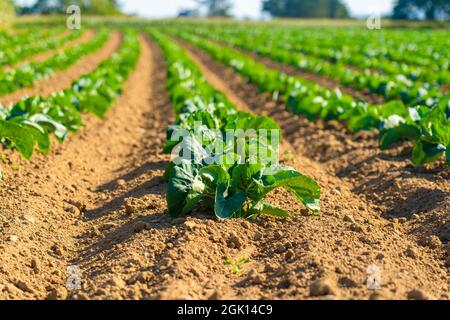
131 205
380 256
279 234
116 283
234 241
402 220
28 218
290 255
281 248
121 182
432 241
412 253
57 250
35 266
254 277
191 225
58 293
24 286
322 287
74 210
418 294
379 295
215 296
140 226
356 227
79 204
257 236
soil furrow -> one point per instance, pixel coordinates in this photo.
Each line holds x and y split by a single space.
57 207
62 79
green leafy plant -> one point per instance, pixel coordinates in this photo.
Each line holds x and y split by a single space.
312 101
232 189
30 122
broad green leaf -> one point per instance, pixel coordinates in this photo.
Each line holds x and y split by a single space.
399 133
21 138
226 206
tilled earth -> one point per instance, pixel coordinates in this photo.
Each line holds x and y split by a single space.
97 203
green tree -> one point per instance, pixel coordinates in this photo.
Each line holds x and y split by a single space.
416 9
333 9
7 12
217 8
97 7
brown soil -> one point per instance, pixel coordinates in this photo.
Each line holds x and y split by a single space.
64 78
128 247
85 37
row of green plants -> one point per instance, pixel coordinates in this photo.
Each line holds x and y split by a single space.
235 185
8 40
418 47
390 87
428 128
29 124
13 54
436 73
27 74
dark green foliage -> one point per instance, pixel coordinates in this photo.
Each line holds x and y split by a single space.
333 9
418 9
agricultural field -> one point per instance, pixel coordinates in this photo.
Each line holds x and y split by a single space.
215 159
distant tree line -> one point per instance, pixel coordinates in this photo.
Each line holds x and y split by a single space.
96 7
419 9
332 9
216 8
335 9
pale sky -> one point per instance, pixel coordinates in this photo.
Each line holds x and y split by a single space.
242 8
